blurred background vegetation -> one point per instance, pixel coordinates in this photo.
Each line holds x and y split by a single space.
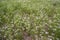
39 18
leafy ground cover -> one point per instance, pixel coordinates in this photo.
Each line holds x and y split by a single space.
39 18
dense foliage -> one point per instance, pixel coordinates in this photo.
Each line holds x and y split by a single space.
39 17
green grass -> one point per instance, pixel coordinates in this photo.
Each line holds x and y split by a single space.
37 16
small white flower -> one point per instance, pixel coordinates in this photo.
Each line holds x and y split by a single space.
46 32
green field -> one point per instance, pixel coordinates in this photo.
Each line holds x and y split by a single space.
39 18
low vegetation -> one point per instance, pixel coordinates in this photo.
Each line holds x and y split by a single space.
35 19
